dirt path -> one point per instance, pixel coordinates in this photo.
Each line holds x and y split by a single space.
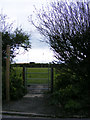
33 103
37 89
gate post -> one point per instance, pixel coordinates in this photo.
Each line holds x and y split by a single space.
51 79
24 76
7 73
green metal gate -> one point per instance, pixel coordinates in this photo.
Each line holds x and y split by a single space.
38 79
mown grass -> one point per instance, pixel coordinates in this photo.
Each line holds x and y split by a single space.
33 74
38 75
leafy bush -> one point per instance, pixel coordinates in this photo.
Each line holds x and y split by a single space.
70 91
72 105
17 89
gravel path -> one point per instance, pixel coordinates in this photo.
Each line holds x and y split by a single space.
33 103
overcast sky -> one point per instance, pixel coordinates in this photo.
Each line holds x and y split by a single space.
18 11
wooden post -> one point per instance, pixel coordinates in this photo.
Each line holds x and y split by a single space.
52 80
23 75
7 72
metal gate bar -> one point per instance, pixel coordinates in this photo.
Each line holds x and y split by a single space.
28 78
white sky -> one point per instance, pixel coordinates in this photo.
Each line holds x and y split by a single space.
18 11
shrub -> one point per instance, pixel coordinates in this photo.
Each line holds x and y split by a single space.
72 106
70 91
17 89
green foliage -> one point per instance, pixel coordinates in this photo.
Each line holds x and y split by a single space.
17 90
71 92
16 40
72 105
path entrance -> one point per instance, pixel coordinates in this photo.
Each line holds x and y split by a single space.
37 105
38 79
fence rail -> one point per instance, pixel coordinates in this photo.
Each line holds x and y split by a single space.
37 73
37 78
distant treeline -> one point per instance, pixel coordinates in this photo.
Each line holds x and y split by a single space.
32 64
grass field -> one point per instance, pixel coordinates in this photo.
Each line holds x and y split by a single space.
38 75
